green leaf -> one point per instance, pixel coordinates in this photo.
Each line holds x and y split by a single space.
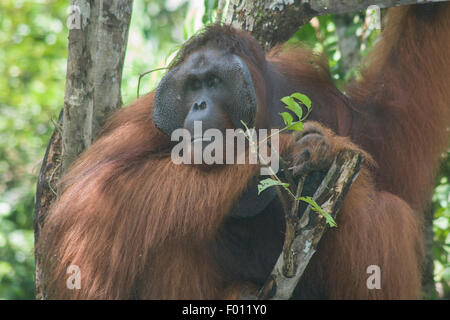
297 110
287 100
269 182
317 208
293 106
295 126
304 100
287 118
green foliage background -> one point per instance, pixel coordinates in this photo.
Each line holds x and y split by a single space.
33 44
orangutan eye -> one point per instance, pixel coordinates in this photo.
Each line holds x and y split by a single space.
195 84
212 81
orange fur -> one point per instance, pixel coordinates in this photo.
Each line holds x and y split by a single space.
403 102
374 228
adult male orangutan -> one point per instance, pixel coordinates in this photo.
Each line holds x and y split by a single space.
140 226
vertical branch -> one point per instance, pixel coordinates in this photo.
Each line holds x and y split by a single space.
348 43
220 8
97 45
46 191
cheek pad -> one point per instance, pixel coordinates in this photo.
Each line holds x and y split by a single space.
239 81
167 112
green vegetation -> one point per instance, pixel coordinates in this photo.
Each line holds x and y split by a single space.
441 228
33 43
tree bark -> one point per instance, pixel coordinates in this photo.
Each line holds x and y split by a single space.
275 21
348 42
97 44
46 192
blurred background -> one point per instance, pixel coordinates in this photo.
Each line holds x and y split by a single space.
33 52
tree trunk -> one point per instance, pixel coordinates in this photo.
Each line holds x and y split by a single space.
97 43
348 42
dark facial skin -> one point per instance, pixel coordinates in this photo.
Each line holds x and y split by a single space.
207 96
214 87
211 86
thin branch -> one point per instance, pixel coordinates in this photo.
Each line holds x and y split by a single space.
220 8
144 74
303 234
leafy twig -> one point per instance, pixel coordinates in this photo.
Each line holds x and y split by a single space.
303 234
294 106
